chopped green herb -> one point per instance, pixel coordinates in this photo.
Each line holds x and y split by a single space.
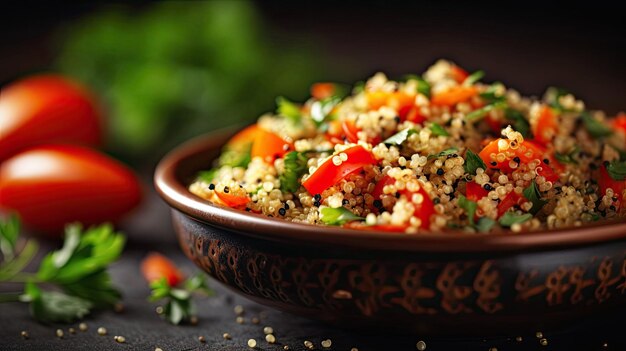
532 194
54 306
236 157
438 130
207 176
520 123
423 87
595 128
445 152
358 87
510 218
399 137
569 157
474 77
178 304
473 162
338 216
288 109
484 224
552 96
320 110
469 207
295 167
483 111
491 95
590 216
9 232
617 170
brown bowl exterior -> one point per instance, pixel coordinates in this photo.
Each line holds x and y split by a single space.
429 283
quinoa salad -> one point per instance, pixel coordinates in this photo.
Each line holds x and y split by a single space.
438 152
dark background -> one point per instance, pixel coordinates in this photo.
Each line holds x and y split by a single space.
526 44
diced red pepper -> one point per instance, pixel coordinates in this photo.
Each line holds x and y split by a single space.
322 91
619 123
269 146
454 95
474 192
459 74
607 182
528 151
328 174
232 200
157 266
423 211
510 200
546 127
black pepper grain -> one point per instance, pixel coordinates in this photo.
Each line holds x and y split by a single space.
226 190
211 186
282 211
440 171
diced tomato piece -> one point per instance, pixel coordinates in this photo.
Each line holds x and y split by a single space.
350 130
157 266
400 101
412 114
546 127
454 95
510 200
328 174
377 227
232 200
459 74
245 136
423 211
269 146
619 123
527 152
607 182
495 125
322 91
376 99
474 192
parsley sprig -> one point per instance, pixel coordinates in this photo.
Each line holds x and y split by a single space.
179 306
78 270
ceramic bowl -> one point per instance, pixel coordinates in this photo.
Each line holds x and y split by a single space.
431 283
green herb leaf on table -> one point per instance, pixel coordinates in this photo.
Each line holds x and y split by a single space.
338 216
617 170
532 194
54 306
469 207
295 167
474 77
595 128
179 306
510 218
288 109
399 137
445 152
438 130
473 162
9 232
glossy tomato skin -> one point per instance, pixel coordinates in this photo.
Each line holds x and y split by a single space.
51 185
46 109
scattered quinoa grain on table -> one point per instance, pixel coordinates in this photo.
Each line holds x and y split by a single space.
441 151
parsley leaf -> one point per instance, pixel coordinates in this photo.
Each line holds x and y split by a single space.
595 128
9 232
321 109
295 167
473 162
509 218
438 130
445 152
569 157
338 216
492 94
531 193
54 306
483 111
400 137
520 123
484 224
178 304
469 207
236 157
288 109
617 170
207 176
474 77
552 96
358 87
423 87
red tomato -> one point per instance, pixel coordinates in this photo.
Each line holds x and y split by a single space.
412 114
511 199
156 266
474 192
423 211
606 182
232 200
51 185
269 146
620 122
350 131
243 137
458 74
528 151
322 91
328 174
44 109
546 126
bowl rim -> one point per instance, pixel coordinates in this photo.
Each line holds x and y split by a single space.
175 193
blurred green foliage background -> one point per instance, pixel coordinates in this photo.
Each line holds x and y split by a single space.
172 70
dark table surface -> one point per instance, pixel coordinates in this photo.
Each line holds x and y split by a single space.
143 329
